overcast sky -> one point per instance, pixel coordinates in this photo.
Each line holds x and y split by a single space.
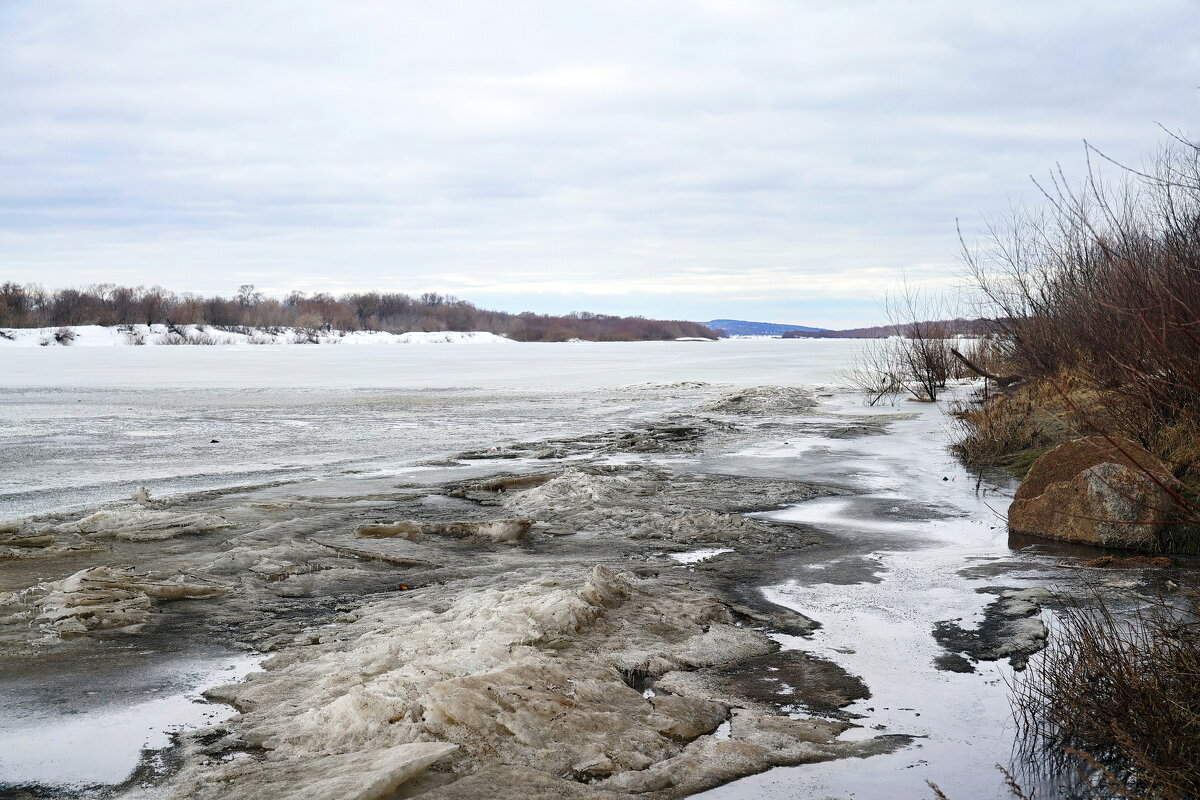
782 161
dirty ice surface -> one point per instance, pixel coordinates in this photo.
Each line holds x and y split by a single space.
82 427
910 543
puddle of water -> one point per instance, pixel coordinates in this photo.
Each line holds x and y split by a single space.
882 633
916 522
66 746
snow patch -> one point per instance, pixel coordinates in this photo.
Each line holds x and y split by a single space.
696 556
159 335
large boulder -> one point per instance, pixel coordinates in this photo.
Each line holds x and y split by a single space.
1096 491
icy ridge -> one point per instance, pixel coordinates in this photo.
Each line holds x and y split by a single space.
538 678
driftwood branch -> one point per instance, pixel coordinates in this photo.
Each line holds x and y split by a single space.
1001 380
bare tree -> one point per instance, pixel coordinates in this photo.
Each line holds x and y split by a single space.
247 296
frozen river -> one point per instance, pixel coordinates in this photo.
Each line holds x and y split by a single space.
574 365
910 542
83 425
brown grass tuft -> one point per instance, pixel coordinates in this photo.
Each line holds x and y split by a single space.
1013 429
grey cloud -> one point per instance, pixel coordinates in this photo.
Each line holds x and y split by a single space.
503 148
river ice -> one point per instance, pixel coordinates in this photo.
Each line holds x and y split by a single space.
81 425
610 443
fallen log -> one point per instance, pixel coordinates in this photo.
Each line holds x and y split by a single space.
1001 380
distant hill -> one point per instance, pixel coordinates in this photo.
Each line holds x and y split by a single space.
741 327
950 327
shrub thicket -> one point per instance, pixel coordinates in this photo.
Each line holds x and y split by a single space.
1097 300
1098 296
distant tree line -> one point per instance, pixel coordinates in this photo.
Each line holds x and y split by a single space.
944 327
30 306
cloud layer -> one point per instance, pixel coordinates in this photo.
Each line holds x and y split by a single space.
691 159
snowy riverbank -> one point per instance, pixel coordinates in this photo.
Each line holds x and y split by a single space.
116 335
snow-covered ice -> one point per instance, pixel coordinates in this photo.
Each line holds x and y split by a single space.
88 425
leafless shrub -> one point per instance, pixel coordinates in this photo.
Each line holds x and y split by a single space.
177 335
923 347
875 373
64 336
1104 285
988 354
132 335
916 361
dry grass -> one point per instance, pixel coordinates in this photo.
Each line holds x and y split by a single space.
1012 430
1014 789
1177 442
